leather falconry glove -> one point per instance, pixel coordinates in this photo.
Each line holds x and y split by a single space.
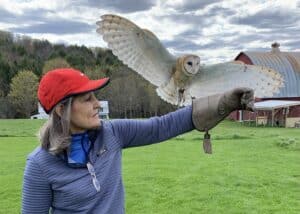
209 111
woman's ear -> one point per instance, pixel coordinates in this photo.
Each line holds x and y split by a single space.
59 109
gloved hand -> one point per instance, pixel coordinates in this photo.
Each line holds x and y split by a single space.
209 111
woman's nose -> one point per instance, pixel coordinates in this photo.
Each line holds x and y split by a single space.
96 102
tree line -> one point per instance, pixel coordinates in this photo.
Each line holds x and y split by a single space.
23 61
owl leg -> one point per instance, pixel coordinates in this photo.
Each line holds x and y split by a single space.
181 97
184 97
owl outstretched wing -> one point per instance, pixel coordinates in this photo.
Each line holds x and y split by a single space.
140 49
221 77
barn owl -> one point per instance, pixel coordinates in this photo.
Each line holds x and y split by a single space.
180 79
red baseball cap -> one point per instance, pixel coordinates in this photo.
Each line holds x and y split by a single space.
61 83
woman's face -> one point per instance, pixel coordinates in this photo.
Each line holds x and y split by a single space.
84 113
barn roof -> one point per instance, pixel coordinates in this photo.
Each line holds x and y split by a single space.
274 104
286 63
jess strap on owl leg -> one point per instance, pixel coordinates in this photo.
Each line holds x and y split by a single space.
209 111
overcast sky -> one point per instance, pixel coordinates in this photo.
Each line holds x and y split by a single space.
215 30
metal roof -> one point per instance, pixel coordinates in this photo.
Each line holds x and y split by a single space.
286 63
274 104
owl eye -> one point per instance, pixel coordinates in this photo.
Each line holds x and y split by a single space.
190 63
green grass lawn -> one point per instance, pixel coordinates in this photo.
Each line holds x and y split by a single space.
252 170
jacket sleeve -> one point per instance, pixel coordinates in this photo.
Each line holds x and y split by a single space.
153 130
36 194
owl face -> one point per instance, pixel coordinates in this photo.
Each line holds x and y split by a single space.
191 64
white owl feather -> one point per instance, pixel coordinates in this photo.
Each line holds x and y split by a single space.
179 79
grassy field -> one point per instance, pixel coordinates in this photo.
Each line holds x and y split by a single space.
252 170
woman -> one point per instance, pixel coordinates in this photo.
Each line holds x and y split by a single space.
77 168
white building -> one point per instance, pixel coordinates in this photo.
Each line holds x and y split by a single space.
104 110
103 113
41 115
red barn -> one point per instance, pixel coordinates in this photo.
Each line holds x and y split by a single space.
283 109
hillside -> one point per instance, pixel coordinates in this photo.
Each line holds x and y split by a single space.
129 94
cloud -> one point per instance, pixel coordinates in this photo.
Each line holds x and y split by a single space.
210 18
189 5
43 21
182 45
59 26
190 34
214 30
269 19
217 10
122 6
6 16
187 19
290 45
29 16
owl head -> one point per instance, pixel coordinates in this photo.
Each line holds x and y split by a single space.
190 64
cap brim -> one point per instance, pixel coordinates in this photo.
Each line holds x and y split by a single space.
92 85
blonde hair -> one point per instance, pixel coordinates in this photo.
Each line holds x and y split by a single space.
55 133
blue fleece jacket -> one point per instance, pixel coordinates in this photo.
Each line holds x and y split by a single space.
49 185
